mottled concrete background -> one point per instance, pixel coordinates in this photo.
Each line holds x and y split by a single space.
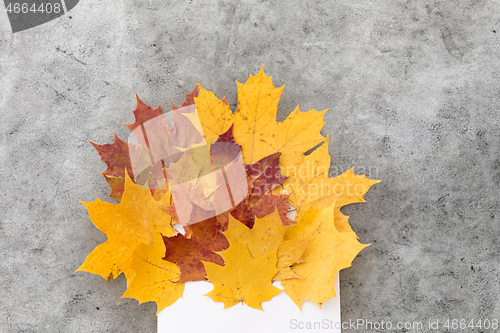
413 90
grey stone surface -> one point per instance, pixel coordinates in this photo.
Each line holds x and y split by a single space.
413 90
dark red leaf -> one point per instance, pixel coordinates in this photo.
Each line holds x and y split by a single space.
267 204
243 214
117 157
189 99
265 175
143 113
188 253
227 136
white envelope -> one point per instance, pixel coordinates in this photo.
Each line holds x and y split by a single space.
197 313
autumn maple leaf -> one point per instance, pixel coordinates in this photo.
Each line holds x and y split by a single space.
117 157
309 186
256 128
132 222
265 236
206 238
243 278
329 252
152 279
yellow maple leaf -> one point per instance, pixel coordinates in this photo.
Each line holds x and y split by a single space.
150 277
127 224
329 252
242 278
320 193
215 115
256 128
290 253
265 236
310 186
316 164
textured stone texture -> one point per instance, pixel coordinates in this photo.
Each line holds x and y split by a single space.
413 90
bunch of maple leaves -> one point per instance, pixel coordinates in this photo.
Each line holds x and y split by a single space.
242 251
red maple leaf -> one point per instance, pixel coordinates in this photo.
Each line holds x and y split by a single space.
206 239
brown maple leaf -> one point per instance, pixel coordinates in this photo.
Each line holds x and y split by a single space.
160 140
268 203
189 99
262 177
143 113
224 150
119 154
265 176
116 155
188 253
